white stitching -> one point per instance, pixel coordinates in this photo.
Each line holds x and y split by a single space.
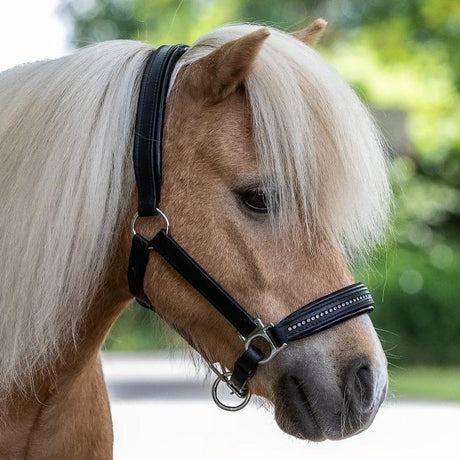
326 311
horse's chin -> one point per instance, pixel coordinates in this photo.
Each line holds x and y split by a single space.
297 416
304 426
294 414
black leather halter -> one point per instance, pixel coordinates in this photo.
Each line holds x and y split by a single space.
311 318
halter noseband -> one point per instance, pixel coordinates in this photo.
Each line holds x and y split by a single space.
147 157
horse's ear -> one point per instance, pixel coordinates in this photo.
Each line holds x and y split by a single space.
221 72
312 33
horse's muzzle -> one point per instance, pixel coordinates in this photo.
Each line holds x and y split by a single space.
314 408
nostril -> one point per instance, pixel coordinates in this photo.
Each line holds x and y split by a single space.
359 389
364 384
365 381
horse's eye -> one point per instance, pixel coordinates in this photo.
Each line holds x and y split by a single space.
255 200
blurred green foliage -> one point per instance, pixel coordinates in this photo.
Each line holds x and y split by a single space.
140 329
397 55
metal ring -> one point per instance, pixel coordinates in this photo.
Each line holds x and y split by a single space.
165 218
160 213
133 224
246 398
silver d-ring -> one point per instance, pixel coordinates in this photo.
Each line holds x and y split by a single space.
133 224
165 218
159 211
215 397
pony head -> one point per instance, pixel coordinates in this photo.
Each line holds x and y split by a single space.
273 180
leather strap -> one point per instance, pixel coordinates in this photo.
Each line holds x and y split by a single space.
245 367
149 126
138 260
204 283
323 313
147 155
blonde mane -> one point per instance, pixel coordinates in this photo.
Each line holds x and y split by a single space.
315 139
66 179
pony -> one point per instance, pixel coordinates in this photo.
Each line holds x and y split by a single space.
275 180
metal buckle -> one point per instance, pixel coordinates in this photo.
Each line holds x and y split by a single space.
224 376
262 332
160 212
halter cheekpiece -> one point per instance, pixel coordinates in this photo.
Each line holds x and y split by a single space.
147 157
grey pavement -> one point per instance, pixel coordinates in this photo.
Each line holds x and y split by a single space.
162 410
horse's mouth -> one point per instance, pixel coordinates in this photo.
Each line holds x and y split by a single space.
294 413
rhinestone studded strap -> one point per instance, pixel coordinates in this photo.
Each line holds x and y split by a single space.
316 316
323 313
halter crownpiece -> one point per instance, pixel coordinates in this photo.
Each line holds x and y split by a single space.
316 316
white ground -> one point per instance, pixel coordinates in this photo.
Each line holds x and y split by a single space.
161 410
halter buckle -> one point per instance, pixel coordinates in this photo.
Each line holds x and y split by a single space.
262 331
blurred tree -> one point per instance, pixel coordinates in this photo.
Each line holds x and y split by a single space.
398 55
154 21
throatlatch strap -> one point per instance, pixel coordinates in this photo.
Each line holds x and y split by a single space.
149 126
204 283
